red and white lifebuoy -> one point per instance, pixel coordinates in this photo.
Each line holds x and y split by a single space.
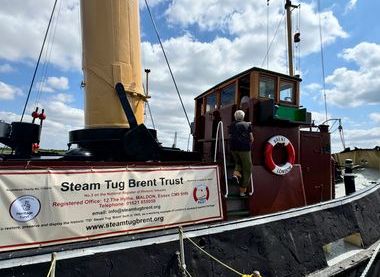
277 169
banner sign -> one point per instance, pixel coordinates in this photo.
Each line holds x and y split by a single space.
43 207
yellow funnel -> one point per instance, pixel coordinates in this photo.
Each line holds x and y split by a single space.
111 54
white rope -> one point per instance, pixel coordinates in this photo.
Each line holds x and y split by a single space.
187 272
371 261
51 272
255 273
212 257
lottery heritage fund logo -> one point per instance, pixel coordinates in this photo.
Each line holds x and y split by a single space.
25 208
201 194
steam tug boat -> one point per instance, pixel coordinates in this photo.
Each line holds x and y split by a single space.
120 204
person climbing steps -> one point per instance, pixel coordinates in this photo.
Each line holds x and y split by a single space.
241 139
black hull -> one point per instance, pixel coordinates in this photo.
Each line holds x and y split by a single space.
288 243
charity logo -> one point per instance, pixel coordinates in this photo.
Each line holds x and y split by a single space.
25 208
201 193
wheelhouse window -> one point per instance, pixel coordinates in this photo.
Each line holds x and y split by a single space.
211 102
267 87
227 95
287 92
244 89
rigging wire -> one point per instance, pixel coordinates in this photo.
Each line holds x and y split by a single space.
322 57
167 62
332 126
339 127
48 52
274 36
341 134
38 61
267 56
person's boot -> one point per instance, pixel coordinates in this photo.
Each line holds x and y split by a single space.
243 191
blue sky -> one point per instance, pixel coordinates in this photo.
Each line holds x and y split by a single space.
206 42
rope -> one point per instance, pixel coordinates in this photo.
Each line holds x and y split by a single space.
38 61
256 273
167 62
187 272
322 56
52 265
212 257
371 261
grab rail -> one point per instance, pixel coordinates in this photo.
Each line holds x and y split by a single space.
220 123
252 189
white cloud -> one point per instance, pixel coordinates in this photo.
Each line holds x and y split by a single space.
196 66
8 92
63 97
60 119
250 17
311 89
350 6
6 68
52 84
10 117
58 83
375 117
361 138
350 87
22 34
320 117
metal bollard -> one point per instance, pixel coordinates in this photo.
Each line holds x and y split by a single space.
349 177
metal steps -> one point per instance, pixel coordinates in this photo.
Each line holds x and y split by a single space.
236 205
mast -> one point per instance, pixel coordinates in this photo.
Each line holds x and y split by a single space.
111 54
288 6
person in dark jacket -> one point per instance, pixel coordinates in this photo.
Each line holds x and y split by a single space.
241 138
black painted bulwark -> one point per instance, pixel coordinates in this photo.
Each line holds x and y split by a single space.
284 244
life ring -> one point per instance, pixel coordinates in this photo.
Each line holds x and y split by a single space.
276 169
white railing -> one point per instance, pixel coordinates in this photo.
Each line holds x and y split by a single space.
220 125
252 189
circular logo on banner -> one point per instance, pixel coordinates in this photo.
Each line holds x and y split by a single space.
25 208
201 194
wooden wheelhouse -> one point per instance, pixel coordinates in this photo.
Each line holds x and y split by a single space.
271 102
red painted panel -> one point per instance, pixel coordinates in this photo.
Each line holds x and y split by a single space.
274 193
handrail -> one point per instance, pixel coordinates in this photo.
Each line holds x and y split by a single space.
252 189
220 123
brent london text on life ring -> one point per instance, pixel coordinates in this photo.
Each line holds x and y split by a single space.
270 164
